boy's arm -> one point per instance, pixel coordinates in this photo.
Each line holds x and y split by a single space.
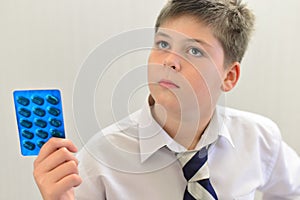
92 187
55 170
284 182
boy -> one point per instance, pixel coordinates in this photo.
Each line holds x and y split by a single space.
198 47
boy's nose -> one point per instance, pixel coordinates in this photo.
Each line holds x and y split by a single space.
172 61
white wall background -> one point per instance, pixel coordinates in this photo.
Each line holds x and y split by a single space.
270 71
44 43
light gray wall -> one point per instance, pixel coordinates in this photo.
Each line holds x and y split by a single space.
44 43
270 71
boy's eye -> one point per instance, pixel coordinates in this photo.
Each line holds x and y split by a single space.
195 52
163 45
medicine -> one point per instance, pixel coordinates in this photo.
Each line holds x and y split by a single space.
57 133
38 100
27 134
52 99
55 122
40 123
23 101
29 145
26 124
40 143
42 134
39 117
53 111
39 112
24 112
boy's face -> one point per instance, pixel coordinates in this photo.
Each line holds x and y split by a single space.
185 67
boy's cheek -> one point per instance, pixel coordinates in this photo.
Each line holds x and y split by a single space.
155 72
155 56
211 77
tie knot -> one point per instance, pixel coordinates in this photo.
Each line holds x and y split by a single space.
195 170
194 164
191 157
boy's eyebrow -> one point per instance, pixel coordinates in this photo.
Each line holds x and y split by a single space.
199 41
159 33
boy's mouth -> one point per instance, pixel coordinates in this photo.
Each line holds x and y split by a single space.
167 84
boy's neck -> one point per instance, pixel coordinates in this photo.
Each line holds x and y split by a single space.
185 132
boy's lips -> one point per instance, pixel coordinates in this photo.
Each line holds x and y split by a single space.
167 84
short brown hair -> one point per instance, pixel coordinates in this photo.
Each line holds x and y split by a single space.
231 22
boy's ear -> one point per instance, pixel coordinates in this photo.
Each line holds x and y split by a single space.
231 77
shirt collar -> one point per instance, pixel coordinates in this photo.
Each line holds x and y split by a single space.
216 128
153 137
151 134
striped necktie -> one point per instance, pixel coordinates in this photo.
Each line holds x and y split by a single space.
195 170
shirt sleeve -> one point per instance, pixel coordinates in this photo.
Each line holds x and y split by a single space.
284 180
92 186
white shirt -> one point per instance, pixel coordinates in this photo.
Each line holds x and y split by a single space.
134 159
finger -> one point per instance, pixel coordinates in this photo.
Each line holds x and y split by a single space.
54 160
62 171
62 188
52 145
47 182
68 183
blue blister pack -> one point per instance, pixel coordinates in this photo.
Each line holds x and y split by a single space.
39 117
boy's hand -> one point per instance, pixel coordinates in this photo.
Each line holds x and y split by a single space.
55 170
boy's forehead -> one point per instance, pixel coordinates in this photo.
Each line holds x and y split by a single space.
186 26
171 33
188 20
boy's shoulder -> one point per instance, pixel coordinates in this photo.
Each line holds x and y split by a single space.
247 118
124 131
250 126
128 122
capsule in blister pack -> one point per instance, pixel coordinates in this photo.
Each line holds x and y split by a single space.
39 117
